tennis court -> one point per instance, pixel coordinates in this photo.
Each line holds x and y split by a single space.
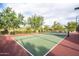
40 44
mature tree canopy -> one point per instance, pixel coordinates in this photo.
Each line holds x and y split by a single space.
35 21
71 26
57 26
9 19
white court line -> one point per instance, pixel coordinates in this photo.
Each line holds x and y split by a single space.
55 46
23 47
31 53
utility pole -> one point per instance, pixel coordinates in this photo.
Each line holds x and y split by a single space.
77 24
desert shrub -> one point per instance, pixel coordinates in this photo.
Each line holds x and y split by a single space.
29 30
12 32
20 32
5 31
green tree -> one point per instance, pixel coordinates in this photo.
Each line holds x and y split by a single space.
58 27
35 22
9 19
71 26
18 21
46 28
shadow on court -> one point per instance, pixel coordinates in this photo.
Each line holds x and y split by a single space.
36 51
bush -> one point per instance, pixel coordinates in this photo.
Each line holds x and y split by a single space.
12 32
29 30
5 31
20 32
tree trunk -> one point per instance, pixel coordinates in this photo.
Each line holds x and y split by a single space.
5 31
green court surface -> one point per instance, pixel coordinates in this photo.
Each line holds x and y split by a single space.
40 44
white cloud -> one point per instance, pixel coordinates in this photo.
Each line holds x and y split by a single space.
39 1
50 11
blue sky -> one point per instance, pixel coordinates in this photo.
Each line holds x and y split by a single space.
60 12
2 6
